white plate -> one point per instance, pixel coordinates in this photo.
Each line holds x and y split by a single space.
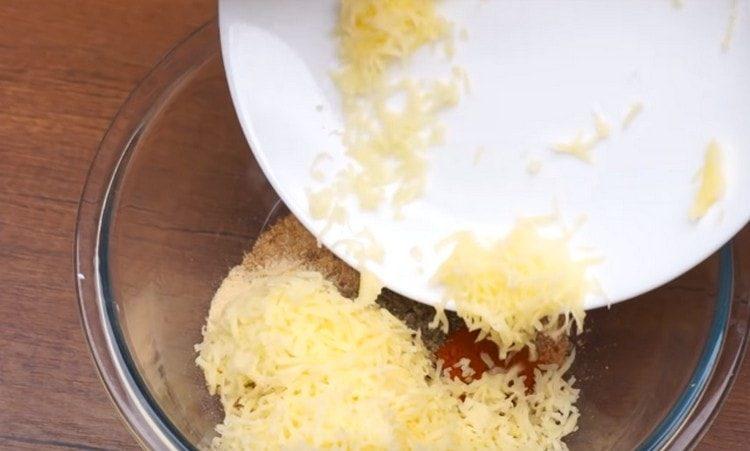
538 70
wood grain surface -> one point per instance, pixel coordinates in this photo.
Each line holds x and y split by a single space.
65 68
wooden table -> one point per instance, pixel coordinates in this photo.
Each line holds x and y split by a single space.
65 68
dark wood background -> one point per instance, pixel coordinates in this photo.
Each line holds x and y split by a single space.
65 68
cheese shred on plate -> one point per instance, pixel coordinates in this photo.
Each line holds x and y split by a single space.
711 182
513 289
298 366
373 34
582 145
389 121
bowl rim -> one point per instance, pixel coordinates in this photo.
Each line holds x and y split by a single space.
145 419
709 384
666 433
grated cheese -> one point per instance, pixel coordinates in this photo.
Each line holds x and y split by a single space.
633 111
602 127
321 203
416 253
315 171
584 143
298 366
389 146
533 166
489 361
580 147
465 366
440 321
389 124
373 34
478 155
711 182
369 288
726 42
460 74
516 287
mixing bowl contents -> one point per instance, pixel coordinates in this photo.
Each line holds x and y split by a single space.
298 363
305 351
175 198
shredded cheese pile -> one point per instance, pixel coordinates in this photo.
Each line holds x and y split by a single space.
373 34
519 286
711 182
298 366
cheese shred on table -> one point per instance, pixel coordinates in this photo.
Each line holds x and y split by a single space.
298 366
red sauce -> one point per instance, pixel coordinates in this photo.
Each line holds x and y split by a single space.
463 344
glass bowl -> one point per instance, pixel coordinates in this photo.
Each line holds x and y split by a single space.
174 199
